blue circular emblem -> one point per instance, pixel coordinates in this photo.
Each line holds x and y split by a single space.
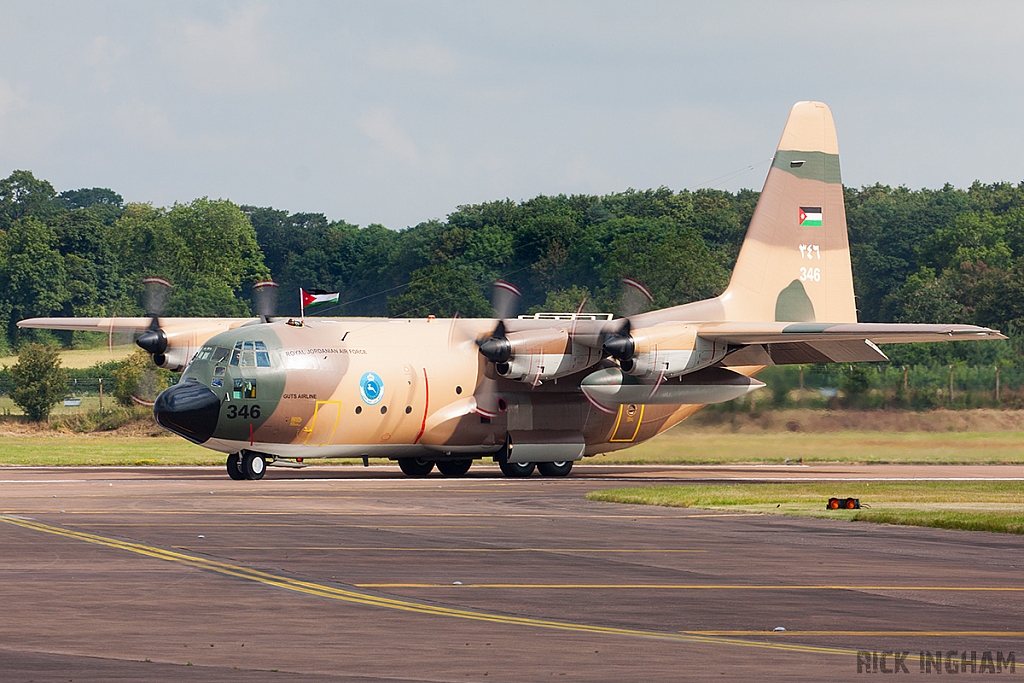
371 388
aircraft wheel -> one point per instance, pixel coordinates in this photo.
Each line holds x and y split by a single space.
554 469
235 467
516 469
254 465
416 467
454 468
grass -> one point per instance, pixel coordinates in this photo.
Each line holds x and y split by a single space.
973 506
676 447
85 358
104 450
932 448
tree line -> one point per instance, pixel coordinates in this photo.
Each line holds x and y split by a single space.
929 255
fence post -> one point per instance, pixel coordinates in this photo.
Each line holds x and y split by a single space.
950 385
101 394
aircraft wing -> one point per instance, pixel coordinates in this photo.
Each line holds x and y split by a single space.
795 343
131 325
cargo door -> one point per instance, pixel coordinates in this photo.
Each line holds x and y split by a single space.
325 421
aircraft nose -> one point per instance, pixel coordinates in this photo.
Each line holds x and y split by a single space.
190 410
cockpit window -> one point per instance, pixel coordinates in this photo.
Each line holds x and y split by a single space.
204 353
220 354
246 354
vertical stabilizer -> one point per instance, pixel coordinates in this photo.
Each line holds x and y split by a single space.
794 264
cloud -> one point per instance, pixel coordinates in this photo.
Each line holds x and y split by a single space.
148 125
232 57
380 125
423 58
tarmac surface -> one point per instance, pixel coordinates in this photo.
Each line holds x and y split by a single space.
352 574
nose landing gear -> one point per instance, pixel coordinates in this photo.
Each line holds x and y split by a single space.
246 465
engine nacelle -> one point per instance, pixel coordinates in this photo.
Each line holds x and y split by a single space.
670 350
537 357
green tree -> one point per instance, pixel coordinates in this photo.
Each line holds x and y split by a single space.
137 376
39 380
442 291
22 194
33 280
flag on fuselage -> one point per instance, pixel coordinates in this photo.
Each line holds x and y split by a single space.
316 298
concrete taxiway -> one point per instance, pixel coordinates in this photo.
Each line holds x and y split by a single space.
352 574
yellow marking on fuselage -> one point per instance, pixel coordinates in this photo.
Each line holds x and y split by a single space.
618 420
326 433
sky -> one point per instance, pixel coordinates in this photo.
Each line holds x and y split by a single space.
399 112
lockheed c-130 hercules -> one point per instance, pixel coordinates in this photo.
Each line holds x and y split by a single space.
538 392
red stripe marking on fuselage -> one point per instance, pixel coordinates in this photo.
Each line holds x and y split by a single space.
426 406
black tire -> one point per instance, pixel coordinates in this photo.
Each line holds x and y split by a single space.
516 469
254 465
235 467
555 469
454 468
416 467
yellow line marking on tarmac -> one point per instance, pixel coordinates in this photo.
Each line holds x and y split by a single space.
902 634
355 597
218 524
672 586
357 513
428 550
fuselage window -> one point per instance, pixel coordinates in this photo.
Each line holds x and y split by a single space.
262 358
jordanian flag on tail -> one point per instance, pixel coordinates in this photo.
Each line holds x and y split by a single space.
317 297
810 216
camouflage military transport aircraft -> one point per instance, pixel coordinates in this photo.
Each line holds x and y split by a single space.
530 392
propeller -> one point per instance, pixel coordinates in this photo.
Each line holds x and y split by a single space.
153 341
264 295
616 340
496 348
505 300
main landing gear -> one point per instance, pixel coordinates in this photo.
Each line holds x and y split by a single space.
246 465
525 469
421 467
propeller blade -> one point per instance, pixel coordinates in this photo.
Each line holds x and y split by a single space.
636 298
505 299
264 294
157 290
